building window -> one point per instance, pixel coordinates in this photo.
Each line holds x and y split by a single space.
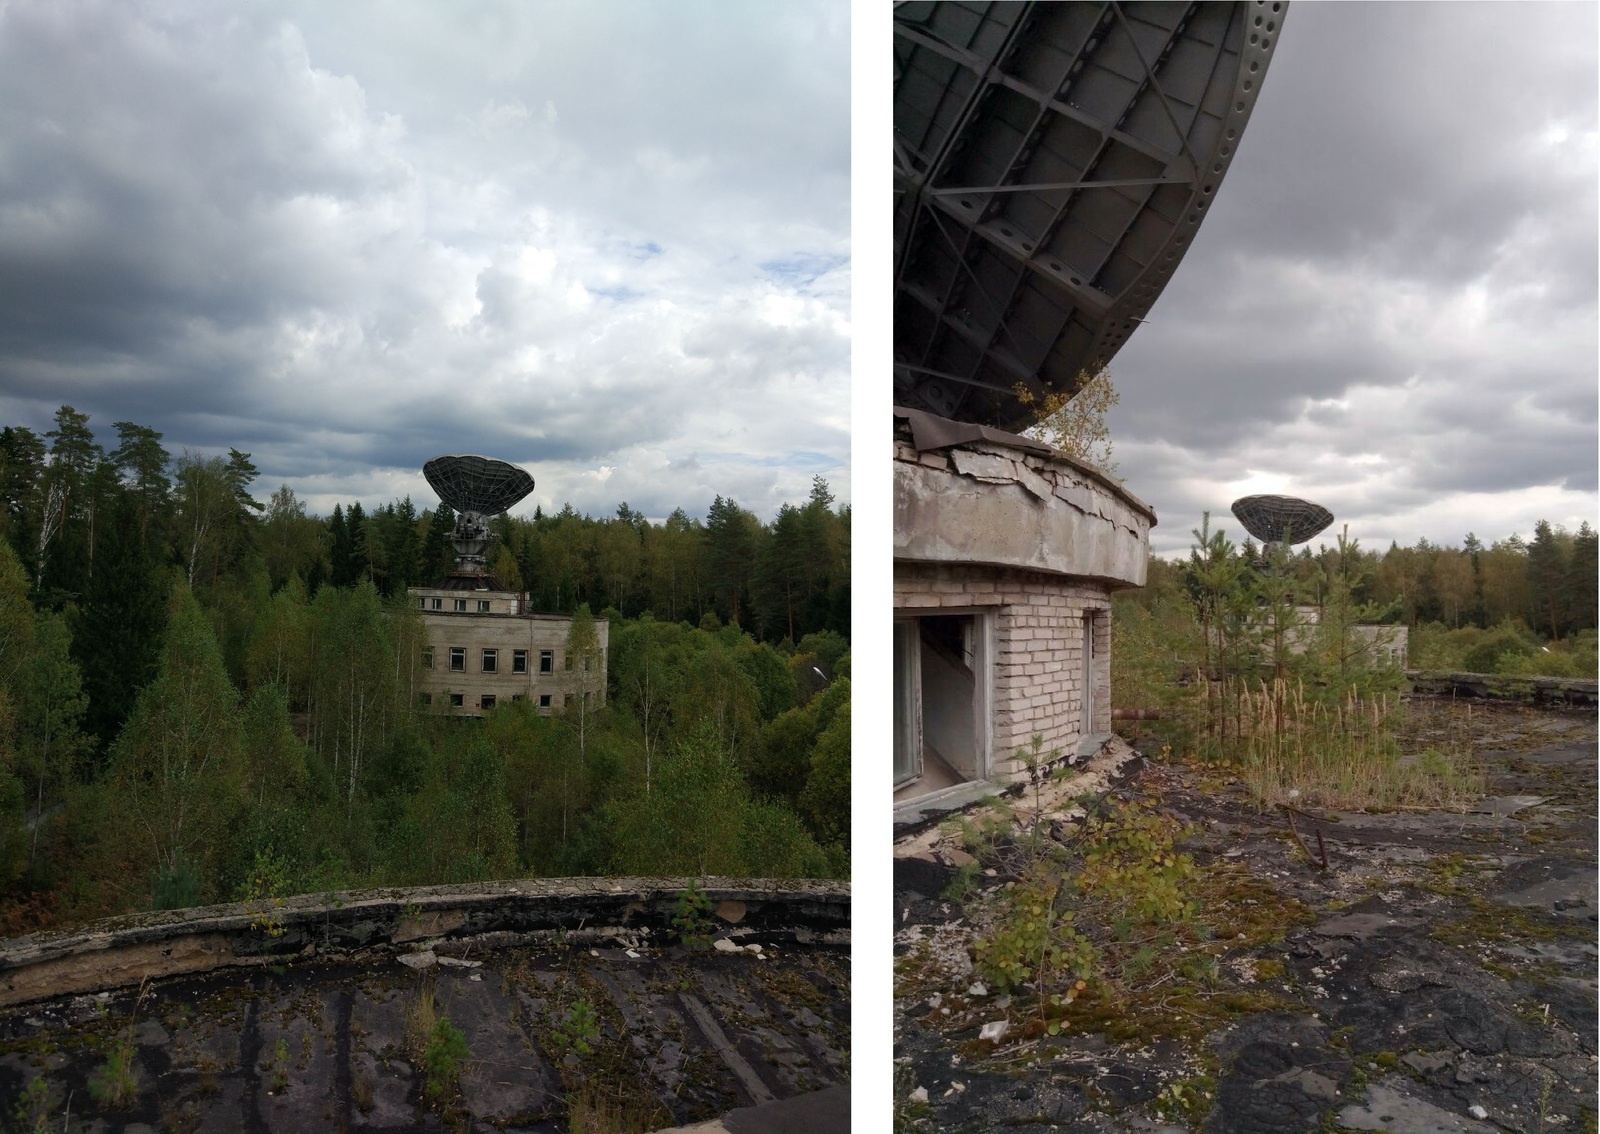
424 698
519 697
566 699
456 700
422 604
486 701
491 661
461 605
519 661
544 700
458 659
483 606
547 661
566 662
427 657
436 604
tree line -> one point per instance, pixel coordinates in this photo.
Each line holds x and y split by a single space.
1510 606
782 579
204 697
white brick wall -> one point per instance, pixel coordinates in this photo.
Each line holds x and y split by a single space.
1038 647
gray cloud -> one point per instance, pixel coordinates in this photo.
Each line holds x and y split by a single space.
1392 306
347 238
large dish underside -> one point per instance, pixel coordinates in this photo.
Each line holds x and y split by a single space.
471 483
1052 164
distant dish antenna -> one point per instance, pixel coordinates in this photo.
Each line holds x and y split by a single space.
1281 519
478 488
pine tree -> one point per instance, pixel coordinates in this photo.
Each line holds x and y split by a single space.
437 556
22 463
143 464
1582 577
116 637
732 543
53 704
1547 571
177 766
341 551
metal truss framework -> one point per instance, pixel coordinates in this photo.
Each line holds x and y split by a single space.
1052 163
477 484
477 488
1281 519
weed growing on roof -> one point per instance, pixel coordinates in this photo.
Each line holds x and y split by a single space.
263 892
280 1065
577 1029
691 916
1109 927
33 1107
442 1059
116 1085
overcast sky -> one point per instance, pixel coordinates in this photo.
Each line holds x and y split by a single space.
1391 308
607 242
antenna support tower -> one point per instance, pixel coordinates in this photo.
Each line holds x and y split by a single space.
1052 164
478 488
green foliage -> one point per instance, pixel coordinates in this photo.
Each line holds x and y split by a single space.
1131 863
33 1107
263 892
691 916
243 720
826 798
280 1065
442 1059
783 764
575 1029
1035 941
176 885
116 1085
177 765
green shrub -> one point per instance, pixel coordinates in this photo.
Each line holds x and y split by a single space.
116 1085
176 885
442 1059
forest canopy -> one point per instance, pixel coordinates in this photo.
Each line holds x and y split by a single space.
202 692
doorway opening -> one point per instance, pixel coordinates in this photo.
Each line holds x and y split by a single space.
941 699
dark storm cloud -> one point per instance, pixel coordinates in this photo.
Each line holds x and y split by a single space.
1391 308
347 239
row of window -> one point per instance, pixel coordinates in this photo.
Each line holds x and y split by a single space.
487 700
489 662
460 604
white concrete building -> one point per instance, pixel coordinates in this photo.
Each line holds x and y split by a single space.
485 646
1006 554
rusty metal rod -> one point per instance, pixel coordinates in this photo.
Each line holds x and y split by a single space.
1289 814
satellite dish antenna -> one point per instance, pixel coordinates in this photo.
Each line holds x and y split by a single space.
1052 163
1281 519
478 488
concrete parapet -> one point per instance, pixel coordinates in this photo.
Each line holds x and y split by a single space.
127 950
1021 506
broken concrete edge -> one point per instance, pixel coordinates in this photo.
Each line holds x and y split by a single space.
1101 762
1570 691
128 950
947 434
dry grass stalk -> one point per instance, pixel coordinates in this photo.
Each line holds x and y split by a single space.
1343 755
